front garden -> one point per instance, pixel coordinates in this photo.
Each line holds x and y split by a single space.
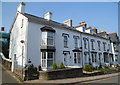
89 70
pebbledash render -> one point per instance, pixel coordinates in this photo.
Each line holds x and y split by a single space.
42 41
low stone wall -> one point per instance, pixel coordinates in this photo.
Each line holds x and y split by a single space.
18 73
62 73
6 64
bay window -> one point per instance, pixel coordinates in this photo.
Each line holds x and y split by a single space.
48 38
47 59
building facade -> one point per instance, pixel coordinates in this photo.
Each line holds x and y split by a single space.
43 41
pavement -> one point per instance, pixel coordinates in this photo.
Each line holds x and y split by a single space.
72 80
7 76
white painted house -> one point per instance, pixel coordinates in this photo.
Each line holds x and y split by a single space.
43 41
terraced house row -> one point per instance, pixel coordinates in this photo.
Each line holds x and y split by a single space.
43 41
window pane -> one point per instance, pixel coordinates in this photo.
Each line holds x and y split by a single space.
50 38
50 59
65 41
92 58
50 35
75 60
43 63
78 57
49 63
50 41
43 55
76 42
50 55
44 38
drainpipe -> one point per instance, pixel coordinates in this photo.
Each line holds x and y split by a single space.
82 49
89 50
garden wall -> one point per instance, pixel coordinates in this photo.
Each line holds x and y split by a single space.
61 73
6 64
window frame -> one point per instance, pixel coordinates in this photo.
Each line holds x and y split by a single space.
92 44
46 59
77 59
99 44
76 42
52 38
65 41
85 43
45 39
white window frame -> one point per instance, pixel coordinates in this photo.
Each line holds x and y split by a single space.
94 57
52 38
65 41
99 48
46 38
78 59
85 43
76 42
46 59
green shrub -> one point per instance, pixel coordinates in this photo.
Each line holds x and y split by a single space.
104 69
54 66
88 68
61 65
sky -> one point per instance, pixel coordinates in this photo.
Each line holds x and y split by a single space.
102 15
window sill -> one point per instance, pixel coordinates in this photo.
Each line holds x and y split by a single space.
65 47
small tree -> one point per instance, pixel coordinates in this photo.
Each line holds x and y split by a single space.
88 68
62 65
54 66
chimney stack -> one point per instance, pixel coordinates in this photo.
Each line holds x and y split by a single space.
48 16
102 31
94 30
21 7
83 24
2 29
68 22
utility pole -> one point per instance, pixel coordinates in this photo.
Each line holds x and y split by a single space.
22 56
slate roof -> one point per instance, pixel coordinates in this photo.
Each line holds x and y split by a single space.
40 20
113 37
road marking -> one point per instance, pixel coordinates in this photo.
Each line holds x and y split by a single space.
11 74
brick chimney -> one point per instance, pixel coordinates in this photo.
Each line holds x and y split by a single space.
68 22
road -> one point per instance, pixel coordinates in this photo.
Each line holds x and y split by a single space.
107 81
6 76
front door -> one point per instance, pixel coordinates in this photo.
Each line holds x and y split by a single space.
66 59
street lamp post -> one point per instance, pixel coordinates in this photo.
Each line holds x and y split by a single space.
22 41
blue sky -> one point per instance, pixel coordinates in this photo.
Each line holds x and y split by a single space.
102 15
